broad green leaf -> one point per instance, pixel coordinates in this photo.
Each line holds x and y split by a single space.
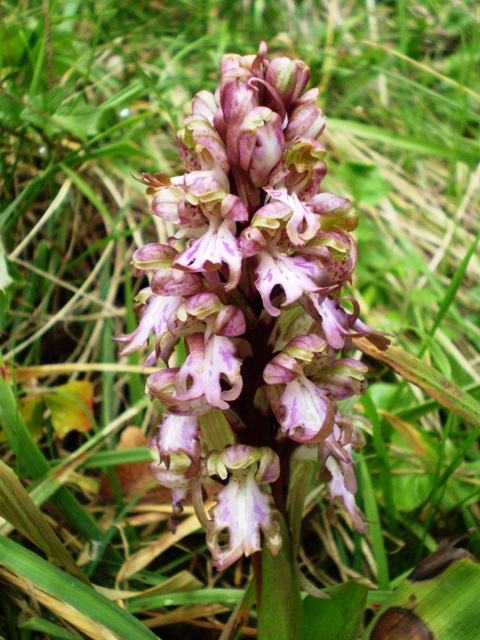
429 379
72 592
440 600
280 610
79 118
340 617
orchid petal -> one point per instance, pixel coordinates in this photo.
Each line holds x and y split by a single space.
294 274
154 318
245 511
303 411
216 247
337 488
179 434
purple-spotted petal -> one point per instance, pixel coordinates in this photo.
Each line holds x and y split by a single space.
335 211
294 274
336 321
179 434
233 208
207 365
162 385
216 247
230 322
153 256
344 380
303 411
221 365
199 138
154 319
251 242
174 282
244 511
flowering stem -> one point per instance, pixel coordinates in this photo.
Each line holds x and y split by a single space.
252 282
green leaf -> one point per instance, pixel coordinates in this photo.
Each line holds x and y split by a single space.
280 611
338 618
440 600
71 591
79 118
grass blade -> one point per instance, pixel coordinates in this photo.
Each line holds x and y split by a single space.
427 378
17 507
71 591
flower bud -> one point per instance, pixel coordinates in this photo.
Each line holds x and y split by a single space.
288 77
199 140
305 118
260 143
204 104
165 203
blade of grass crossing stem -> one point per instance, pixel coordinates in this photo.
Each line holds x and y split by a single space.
240 613
372 514
32 461
71 591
